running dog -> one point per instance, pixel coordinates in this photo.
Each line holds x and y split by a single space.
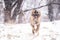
35 21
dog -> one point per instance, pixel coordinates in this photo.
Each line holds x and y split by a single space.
35 21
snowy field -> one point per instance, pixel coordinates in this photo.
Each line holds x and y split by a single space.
48 31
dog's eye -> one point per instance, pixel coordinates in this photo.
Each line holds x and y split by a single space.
35 12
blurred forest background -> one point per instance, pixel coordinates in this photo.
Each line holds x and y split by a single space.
19 11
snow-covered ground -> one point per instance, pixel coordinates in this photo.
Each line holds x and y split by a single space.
48 31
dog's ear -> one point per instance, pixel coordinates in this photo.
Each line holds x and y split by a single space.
33 11
39 12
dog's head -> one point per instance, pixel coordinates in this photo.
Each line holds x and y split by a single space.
35 13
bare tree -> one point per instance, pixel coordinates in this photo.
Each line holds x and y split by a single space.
21 15
7 10
17 10
50 10
9 7
57 14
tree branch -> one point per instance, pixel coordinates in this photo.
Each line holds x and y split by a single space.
41 6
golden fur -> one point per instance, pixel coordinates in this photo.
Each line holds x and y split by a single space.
35 21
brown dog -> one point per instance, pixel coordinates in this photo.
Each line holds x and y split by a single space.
35 21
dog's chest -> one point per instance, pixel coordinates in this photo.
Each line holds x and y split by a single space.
35 20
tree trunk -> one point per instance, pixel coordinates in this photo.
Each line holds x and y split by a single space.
7 10
50 10
17 9
57 15
9 7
